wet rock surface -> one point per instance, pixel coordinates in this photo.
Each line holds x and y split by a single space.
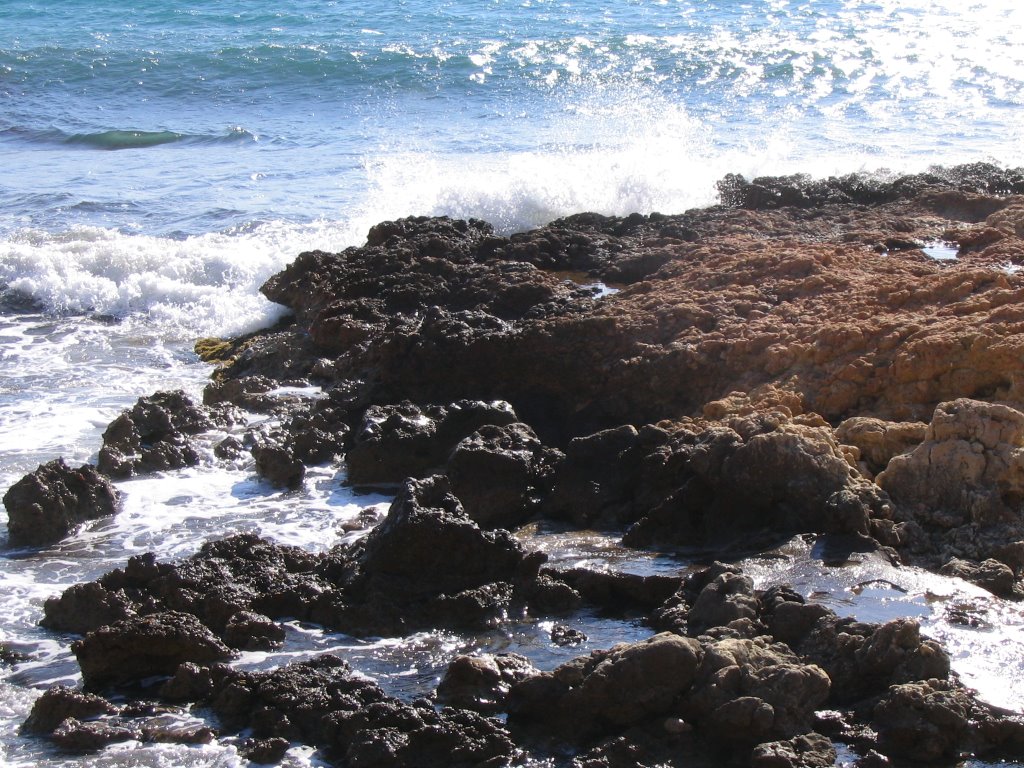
46 505
790 362
154 435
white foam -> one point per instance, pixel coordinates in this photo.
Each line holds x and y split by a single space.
199 286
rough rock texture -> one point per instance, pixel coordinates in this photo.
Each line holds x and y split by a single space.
134 649
693 406
46 505
153 435
425 565
836 303
398 441
481 683
501 473
59 703
961 492
878 441
322 702
811 750
613 689
428 564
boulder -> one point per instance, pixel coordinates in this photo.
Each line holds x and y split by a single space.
991 574
751 691
607 691
59 703
154 435
969 469
276 461
878 441
132 650
394 442
926 721
865 659
481 683
428 564
323 703
809 750
48 504
501 473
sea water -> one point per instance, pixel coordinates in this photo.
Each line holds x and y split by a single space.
160 160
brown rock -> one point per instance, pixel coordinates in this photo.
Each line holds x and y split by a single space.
46 505
134 649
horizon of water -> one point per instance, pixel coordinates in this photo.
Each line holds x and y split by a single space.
160 160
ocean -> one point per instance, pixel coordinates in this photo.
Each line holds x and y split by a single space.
160 160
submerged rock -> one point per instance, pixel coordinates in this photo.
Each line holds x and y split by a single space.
48 504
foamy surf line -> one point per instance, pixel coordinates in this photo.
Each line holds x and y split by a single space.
201 285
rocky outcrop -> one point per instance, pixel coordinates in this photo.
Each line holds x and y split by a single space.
961 493
693 406
394 442
323 703
154 435
482 683
614 689
48 504
428 564
501 474
132 650
425 565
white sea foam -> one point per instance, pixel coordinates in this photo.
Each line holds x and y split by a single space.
201 285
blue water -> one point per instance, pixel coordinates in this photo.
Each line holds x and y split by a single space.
160 159
176 119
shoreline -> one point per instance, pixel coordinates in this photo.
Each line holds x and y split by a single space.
791 362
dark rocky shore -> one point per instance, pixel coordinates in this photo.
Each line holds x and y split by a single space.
788 362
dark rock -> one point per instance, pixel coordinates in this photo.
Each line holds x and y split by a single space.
46 505
154 435
322 703
598 481
427 560
618 591
134 649
728 598
399 441
75 736
481 683
500 474
865 659
993 575
811 750
170 730
565 636
248 392
276 462
264 751
82 608
249 631
59 703
762 471
751 691
926 721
